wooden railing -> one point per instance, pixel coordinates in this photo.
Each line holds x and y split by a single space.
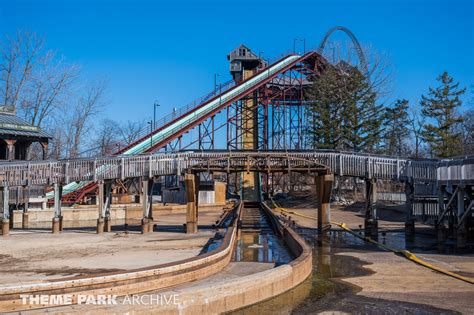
339 163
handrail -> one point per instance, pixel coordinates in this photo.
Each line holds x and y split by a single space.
29 173
177 113
204 107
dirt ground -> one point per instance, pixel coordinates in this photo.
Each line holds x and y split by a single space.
37 255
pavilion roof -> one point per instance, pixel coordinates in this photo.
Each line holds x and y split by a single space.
12 125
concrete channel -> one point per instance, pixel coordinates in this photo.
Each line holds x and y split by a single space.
257 259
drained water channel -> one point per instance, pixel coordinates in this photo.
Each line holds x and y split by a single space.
324 291
257 242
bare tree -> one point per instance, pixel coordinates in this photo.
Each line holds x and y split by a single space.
87 107
130 131
378 64
468 132
468 125
18 57
107 137
48 85
57 146
417 122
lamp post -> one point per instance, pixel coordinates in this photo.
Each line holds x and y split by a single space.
155 105
151 130
152 127
299 40
215 82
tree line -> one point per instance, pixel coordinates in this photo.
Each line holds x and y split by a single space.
347 111
52 93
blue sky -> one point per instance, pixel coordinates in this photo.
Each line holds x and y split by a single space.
169 50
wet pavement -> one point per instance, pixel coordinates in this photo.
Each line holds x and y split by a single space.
325 291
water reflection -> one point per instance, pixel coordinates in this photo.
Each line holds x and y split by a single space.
261 247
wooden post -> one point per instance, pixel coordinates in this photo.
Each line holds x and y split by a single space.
370 222
6 212
107 203
24 219
324 188
151 224
10 149
58 189
100 201
44 146
461 231
147 204
409 221
191 205
440 225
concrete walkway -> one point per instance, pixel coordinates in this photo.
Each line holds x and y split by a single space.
37 255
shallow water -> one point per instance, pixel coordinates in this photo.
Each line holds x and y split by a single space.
261 246
324 291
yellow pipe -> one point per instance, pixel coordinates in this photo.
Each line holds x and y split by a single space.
407 254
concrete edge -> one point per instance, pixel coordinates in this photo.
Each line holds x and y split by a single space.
240 292
138 281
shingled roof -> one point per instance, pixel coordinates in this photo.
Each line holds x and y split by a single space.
12 125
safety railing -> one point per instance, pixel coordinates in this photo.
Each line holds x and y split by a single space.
121 167
147 142
178 112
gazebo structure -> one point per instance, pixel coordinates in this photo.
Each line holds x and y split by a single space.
17 135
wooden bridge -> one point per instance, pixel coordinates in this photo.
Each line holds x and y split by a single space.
122 167
451 177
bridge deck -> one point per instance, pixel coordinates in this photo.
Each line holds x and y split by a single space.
338 163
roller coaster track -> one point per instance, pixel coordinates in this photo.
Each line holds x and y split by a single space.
360 52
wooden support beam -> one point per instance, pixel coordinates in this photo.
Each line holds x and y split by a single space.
44 146
147 204
324 187
192 191
409 221
57 224
370 222
461 231
10 149
107 203
25 215
100 202
6 211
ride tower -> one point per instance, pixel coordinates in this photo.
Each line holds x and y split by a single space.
244 64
